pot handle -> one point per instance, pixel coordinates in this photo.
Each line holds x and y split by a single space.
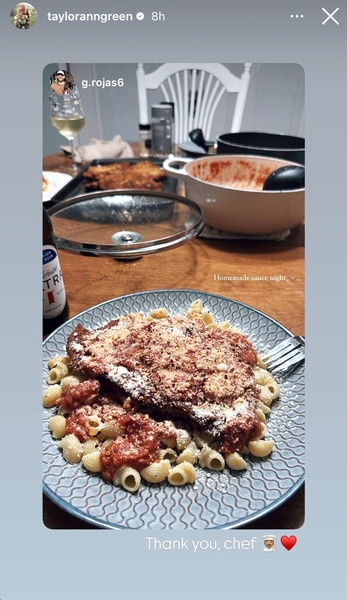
175 166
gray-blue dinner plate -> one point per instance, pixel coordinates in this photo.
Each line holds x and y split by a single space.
217 500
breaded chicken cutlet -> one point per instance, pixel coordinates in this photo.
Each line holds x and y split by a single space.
176 367
143 175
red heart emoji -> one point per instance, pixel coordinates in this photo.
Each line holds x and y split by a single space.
288 542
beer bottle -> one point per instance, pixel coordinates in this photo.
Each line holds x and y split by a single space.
55 304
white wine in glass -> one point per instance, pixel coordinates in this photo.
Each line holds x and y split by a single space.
67 117
68 127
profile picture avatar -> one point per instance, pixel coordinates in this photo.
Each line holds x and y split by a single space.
23 15
62 82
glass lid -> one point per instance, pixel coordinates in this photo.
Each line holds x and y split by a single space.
124 224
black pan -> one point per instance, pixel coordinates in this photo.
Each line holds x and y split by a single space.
275 145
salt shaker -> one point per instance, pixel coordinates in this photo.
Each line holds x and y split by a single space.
162 123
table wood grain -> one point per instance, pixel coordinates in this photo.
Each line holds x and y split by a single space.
266 275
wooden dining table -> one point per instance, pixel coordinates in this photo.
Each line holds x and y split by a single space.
266 274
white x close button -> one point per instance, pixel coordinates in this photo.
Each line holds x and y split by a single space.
330 16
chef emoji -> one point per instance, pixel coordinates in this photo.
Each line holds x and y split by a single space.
269 543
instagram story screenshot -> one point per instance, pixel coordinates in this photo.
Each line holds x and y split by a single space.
173 398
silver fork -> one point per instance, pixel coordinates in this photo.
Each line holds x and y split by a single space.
284 357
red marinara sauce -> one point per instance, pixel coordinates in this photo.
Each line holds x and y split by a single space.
137 447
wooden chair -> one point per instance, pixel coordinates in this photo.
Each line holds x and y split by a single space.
196 90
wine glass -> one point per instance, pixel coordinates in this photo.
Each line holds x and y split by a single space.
67 116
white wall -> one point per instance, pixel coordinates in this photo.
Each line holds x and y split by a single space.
276 99
275 102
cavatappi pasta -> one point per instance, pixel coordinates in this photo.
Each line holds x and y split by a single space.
182 451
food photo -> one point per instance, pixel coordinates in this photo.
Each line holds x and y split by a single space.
173 357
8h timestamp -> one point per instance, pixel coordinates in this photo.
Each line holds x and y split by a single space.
157 15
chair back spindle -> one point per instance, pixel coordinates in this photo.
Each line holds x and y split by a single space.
196 90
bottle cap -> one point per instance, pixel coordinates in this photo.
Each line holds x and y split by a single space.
162 111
